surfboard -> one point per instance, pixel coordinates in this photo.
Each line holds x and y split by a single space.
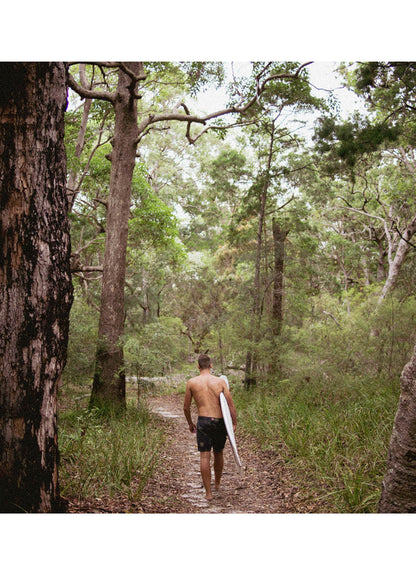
229 425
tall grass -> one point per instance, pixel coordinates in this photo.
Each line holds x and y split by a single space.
330 412
336 434
106 455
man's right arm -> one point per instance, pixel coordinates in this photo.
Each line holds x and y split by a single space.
187 407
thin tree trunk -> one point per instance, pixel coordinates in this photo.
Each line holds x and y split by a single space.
251 358
279 238
35 282
396 263
399 484
109 379
250 378
72 176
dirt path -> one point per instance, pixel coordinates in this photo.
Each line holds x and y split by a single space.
265 486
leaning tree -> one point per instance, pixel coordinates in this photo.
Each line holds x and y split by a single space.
35 282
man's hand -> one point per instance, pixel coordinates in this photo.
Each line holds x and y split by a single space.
192 428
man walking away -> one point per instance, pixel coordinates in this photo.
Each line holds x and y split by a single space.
210 430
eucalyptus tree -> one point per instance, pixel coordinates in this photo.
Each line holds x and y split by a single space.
399 483
390 88
35 281
136 114
384 141
271 137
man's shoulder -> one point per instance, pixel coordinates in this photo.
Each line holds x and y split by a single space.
218 381
193 381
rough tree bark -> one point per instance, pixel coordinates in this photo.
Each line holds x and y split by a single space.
399 485
35 282
109 378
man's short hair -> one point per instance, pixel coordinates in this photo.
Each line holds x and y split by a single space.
204 361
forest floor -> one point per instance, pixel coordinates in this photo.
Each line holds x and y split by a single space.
267 484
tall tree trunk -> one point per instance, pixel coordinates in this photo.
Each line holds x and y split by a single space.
35 282
250 378
109 378
399 484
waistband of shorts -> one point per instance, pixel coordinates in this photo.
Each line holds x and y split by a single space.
205 418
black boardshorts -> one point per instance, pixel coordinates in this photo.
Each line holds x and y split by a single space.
210 432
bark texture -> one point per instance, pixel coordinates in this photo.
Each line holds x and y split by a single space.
35 282
109 379
399 485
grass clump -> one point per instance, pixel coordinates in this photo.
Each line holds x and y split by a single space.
334 433
107 455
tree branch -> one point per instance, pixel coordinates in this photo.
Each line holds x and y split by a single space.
239 109
86 93
86 269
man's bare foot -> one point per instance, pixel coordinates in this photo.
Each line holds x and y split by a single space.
217 487
208 497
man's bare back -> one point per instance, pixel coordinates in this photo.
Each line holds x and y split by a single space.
206 390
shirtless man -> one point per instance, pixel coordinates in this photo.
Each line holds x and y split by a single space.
210 429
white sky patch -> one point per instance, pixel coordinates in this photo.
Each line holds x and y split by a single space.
323 78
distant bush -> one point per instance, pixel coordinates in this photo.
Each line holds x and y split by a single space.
368 341
83 333
156 349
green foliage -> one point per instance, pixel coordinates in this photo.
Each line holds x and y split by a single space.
282 90
390 84
152 221
328 408
361 339
190 76
348 141
331 413
156 349
83 332
102 456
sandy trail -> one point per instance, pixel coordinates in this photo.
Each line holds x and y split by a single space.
266 484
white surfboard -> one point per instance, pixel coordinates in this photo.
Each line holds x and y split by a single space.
229 425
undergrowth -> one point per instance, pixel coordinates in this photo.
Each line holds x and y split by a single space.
335 434
106 455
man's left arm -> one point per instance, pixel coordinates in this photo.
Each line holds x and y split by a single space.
187 408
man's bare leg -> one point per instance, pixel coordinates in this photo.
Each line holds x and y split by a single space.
206 473
218 467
